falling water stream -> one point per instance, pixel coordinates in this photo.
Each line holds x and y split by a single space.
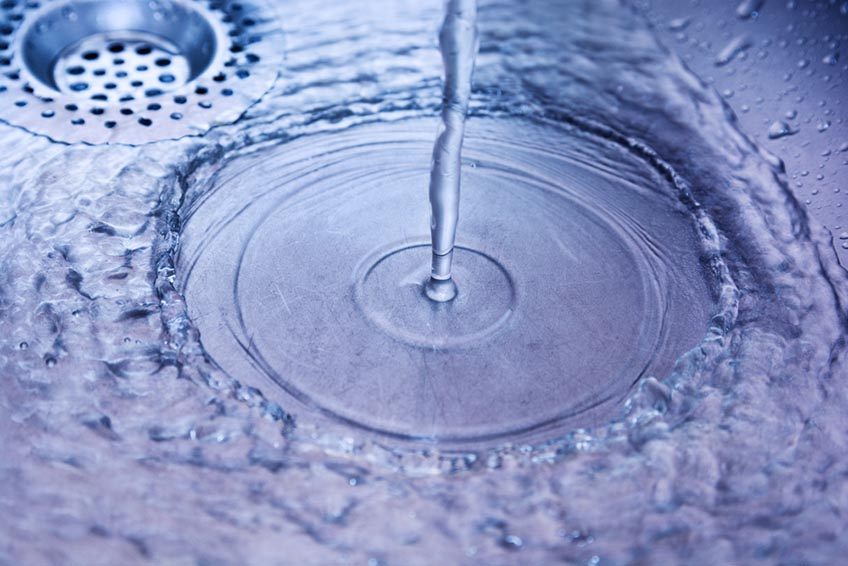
458 42
207 355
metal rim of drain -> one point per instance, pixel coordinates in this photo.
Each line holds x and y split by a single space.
132 71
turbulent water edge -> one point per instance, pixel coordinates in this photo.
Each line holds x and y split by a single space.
112 415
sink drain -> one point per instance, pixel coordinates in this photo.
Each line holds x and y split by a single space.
573 282
131 71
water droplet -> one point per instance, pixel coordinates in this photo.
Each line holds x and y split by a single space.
749 9
831 59
734 48
780 129
791 114
679 24
823 125
23 345
803 63
512 542
70 14
842 236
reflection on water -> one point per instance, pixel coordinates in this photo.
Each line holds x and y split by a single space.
123 440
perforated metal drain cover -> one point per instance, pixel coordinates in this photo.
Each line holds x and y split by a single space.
132 71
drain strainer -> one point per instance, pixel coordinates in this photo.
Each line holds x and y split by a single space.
132 71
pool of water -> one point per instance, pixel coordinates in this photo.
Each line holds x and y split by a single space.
135 427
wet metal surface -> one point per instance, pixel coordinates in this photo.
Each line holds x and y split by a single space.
125 442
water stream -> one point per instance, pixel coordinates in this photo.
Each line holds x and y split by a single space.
459 44
145 414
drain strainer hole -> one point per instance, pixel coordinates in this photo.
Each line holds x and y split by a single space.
118 62
81 48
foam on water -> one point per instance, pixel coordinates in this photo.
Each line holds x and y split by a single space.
122 440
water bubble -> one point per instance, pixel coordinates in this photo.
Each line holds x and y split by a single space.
579 537
780 129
